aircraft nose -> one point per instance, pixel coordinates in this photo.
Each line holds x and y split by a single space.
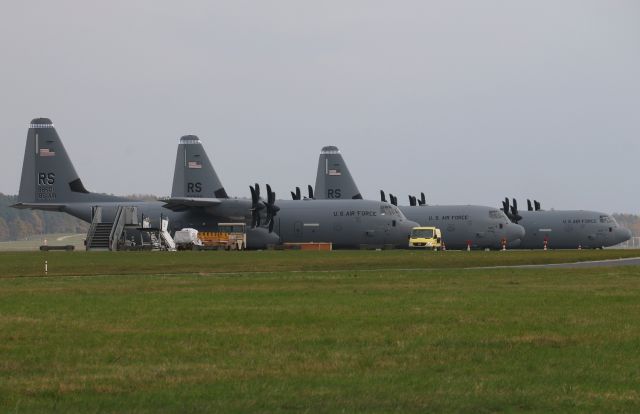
623 234
405 232
515 232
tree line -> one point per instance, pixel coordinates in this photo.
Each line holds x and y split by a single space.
20 224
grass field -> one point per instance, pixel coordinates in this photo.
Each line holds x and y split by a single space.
118 263
317 333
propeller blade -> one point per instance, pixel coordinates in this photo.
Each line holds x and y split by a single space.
412 200
529 206
423 199
382 197
272 209
296 195
310 189
537 205
515 217
269 193
253 195
255 207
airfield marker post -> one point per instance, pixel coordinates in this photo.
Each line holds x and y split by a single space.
468 245
546 241
46 267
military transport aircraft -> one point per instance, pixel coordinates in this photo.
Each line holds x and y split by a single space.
49 182
564 229
346 223
461 225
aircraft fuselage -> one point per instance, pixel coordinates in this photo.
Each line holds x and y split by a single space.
570 229
483 227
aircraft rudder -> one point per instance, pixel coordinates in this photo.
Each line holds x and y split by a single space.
194 175
333 179
48 176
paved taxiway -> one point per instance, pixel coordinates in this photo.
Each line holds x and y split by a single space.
631 261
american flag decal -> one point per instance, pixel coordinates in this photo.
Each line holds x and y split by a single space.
46 152
194 164
334 172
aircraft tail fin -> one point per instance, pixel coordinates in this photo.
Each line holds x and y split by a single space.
49 180
333 179
194 175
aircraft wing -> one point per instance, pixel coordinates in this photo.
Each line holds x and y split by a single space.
185 203
40 206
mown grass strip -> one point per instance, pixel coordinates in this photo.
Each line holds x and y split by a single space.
113 263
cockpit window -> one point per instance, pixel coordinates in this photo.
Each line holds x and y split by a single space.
495 214
607 219
389 210
498 215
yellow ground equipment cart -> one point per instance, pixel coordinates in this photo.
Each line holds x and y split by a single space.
230 236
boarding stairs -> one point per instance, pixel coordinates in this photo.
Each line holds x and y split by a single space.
160 238
99 238
105 235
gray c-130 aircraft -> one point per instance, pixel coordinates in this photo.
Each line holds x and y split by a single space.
565 229
346 224
49 182
461 225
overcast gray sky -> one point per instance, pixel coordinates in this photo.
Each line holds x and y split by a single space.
468 101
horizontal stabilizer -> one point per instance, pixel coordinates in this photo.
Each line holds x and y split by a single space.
185 203
40 206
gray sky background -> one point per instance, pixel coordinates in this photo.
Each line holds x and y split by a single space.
468 101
